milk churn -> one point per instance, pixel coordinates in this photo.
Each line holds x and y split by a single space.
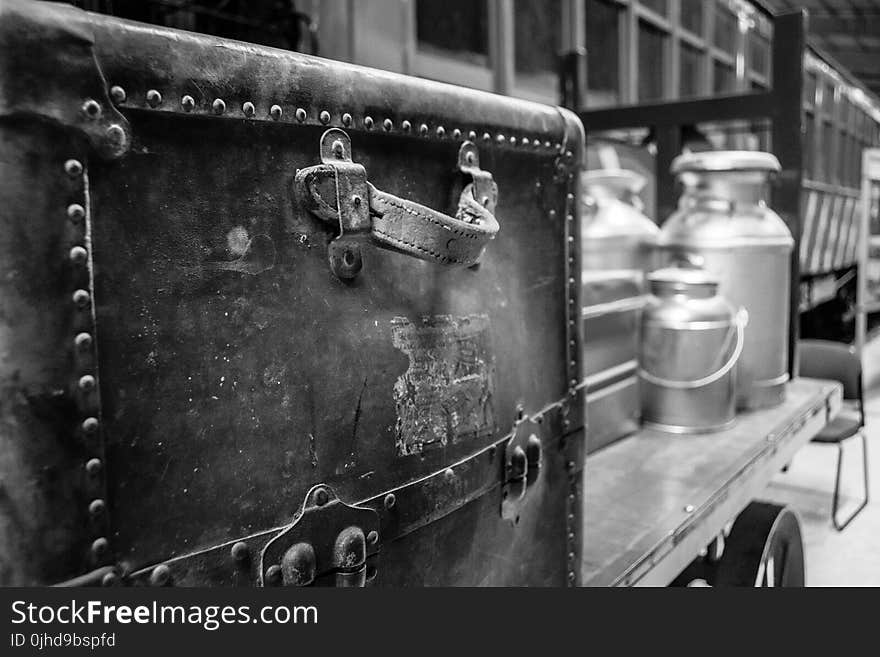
615 235
724 225
692 339
618 247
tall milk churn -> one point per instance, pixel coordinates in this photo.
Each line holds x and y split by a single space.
723 224
618 242
692 339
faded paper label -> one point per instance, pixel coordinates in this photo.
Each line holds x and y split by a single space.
446 395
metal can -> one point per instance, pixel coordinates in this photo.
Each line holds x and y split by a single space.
723 224
691 341
616 235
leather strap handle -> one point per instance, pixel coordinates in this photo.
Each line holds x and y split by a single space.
393 222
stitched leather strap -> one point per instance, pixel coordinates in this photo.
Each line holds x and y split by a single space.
430 235
396 223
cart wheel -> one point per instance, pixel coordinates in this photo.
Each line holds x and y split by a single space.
764 548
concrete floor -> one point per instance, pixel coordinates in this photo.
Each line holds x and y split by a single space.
850 557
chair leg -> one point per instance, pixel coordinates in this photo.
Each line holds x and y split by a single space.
837 525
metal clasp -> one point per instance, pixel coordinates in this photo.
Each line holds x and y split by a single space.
522 464
328 543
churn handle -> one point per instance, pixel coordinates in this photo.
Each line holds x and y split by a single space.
742 318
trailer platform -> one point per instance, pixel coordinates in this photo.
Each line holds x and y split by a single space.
654 500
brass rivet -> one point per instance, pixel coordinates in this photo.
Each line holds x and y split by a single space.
116 136
273 575
321 497
423 129
552 214
83 341
390 500
325 117
525 141
440 132
499 139
689 508
547 144
117 94
93 467
536 143
346 119
97 507
275 112
160 576
249 109
388 125
188 103
406 125
219 106
78 255
472 135
240 551
368 122
513 141
92 109
373 537
76 212
456 134
154 98
87 382
110 579
99 547
487 136
90 425
73 168
449 473
81 298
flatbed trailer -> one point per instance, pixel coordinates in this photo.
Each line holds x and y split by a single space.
655 501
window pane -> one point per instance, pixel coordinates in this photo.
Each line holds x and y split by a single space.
843 159
658 6
538 27
458 26
603 52
724 79
692 15
691 77
651 62
828 98
759 53
726 26
810 88
809 145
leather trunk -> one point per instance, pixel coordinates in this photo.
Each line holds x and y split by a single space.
219 370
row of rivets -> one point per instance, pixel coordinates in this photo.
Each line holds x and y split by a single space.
218 106
571 266
82 342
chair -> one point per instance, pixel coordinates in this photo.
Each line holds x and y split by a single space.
822 359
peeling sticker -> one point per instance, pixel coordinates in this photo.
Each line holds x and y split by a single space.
445 396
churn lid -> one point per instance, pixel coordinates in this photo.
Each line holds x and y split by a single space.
726 161
696 283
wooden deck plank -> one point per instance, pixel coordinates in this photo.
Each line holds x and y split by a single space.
654 499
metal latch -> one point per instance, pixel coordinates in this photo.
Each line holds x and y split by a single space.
329 543
522 464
